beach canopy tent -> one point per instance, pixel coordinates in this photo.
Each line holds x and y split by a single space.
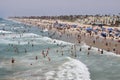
59 25
103 34
74 26
110 29
117 34
89 29
95 31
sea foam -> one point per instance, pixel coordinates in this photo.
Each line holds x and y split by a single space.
2 31
71 70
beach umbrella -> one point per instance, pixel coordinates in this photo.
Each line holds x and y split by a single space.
74 26
60 25
95 30
109 29
103 34
117 34
89 29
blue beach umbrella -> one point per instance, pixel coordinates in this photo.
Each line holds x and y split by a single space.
89 29
117 34
95 31
74 26
110 29
103 34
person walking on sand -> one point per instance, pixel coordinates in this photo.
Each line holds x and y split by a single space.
93 41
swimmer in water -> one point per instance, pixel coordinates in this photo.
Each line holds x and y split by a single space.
102 51
80 49
43 53
36 57
62 53
88 53
49 59
25 50
13 60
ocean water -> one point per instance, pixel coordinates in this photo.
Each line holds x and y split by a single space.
24 42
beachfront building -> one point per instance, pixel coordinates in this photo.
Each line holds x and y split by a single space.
106 20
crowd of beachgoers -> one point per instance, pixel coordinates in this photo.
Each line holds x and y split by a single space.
102 37
99 36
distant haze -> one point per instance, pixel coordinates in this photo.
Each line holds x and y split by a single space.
57 7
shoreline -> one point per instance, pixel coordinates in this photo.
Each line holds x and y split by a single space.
73 35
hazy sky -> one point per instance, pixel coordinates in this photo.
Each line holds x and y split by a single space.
57 7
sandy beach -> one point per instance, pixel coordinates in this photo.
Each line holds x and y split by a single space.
76 35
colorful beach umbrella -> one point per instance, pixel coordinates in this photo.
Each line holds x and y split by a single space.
89 29
103 34
109 29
